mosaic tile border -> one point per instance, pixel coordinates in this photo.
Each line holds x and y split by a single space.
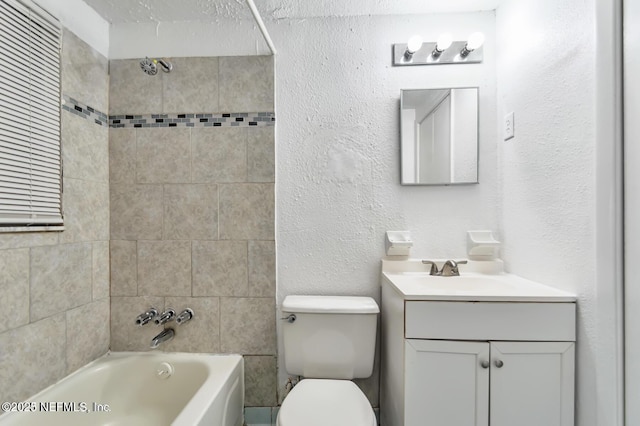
238 119
73 106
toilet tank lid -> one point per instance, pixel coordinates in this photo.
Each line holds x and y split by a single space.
330 304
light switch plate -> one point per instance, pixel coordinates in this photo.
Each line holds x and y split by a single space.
509 127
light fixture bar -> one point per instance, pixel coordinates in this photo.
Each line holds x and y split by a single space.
425 56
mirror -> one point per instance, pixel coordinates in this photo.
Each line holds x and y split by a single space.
439 136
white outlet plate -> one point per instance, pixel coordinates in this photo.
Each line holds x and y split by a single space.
509 127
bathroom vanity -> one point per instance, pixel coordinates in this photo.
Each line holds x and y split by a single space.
484 348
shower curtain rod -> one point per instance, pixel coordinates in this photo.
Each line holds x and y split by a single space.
263 29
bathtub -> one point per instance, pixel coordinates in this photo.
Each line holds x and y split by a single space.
150 388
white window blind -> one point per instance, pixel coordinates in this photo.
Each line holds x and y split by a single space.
30 162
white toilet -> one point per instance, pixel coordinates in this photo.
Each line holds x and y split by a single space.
328 340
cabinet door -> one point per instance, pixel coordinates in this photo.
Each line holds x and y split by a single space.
532 383
446 384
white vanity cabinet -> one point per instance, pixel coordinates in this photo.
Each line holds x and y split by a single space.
465 359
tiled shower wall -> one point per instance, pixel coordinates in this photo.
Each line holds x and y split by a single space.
192 210
55 285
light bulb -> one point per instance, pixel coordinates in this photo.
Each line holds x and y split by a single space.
444 42
415 43
475 41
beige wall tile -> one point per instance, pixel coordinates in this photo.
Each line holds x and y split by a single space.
246 83
86 211
219 154
202 333
14 288
246 212
28 239
84 72
261 154
125 334
220 268
248 326
163 155
192 86
124 268
164 268
60 278
122 156
190 212
260 381
87 333
136 212
32 357
100 270
85 148
131 91
262 268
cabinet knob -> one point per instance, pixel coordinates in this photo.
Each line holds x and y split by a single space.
498 363
484 364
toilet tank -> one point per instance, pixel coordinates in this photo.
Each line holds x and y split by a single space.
332 337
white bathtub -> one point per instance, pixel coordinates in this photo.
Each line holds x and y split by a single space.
129 388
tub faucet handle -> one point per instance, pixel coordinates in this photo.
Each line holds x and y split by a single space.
166 316
145 317
184 316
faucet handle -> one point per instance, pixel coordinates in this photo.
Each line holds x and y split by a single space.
165 317
184 316
434 267
145 317
450 268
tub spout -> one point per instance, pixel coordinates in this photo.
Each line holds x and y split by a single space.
165 335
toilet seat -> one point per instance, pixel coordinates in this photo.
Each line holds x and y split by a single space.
322 402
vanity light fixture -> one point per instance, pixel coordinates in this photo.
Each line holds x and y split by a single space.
443 51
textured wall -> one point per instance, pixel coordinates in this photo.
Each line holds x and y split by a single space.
192 212
547 171
338 152
55 285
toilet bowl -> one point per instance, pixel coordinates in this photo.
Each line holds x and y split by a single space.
326 402
328 340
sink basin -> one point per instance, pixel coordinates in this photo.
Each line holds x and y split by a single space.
465 283
414 283
462 283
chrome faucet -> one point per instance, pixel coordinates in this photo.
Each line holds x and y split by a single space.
450 268
165 317
164 336
184 316
145 317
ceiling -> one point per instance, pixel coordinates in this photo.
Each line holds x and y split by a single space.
132 11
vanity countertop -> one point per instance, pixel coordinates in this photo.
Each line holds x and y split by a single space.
413 282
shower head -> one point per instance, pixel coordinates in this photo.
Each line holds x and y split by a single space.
150 65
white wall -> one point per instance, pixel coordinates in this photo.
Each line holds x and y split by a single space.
82 20
549 222
338 191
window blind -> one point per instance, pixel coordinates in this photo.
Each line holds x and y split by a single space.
30 158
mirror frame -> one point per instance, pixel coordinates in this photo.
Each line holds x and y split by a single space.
477 141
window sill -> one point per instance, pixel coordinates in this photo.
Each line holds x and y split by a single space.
17 229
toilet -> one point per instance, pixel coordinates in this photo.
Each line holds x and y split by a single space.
328 340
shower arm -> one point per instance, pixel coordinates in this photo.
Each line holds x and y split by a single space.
263 29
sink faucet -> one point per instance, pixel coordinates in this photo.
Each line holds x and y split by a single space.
165 335
450 268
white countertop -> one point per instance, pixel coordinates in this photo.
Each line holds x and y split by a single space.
415 283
